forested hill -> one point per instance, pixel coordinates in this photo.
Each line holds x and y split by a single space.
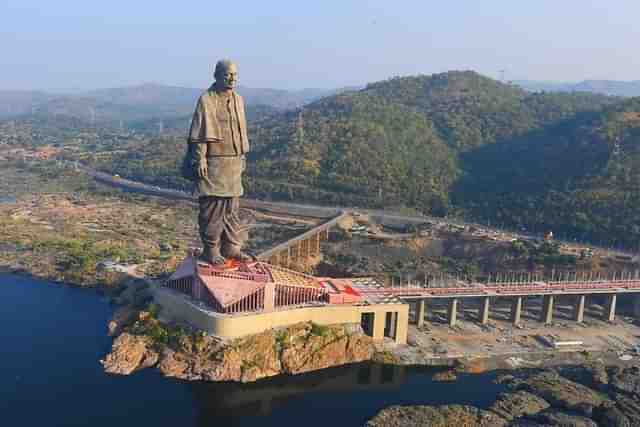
580 176
400 140
456 143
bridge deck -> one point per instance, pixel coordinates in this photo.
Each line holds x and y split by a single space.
266 255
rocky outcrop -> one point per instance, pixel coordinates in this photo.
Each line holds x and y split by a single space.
563 393
555 418
593 375
307 347
122 317
436 416
629 407
445 376
613 417
540 398
626 380
130 353
518 404
193 356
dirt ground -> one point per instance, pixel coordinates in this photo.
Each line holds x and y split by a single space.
469 339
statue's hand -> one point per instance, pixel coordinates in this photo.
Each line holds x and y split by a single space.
202 169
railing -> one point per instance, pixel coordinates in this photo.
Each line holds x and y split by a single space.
524 288
250 303
184 285
297 295
260 276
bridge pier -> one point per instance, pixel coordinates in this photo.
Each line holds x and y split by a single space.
420 312
578 313
610 309
452 312
484 310
516 310
547 309
379 321
636 306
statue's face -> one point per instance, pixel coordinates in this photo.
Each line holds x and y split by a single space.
228 77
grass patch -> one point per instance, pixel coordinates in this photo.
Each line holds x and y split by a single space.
320 330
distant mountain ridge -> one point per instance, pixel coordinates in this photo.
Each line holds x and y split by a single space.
604 87
145 101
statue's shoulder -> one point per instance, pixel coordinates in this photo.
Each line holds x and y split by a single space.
208 97
239 97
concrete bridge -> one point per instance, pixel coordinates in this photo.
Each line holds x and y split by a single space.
301 248
516 292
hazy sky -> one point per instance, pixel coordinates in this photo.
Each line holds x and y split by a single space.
305 43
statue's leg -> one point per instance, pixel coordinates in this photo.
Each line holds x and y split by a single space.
210 222
235 232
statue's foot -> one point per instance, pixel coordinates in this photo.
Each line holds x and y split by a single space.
211 255
239 255
213 260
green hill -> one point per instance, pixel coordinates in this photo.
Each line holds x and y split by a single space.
580 177
402 140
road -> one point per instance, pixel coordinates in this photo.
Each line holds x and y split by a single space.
316 211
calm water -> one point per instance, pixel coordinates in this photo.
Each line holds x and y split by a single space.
52 336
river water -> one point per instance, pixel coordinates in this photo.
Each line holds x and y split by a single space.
52 337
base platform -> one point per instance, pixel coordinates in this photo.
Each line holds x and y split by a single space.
238 299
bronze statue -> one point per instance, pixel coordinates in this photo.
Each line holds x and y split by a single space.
217 145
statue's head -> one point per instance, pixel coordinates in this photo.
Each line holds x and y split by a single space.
226 74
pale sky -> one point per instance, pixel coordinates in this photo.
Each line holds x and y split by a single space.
291 44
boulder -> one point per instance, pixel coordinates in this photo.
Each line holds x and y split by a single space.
436 416
445 376
518 404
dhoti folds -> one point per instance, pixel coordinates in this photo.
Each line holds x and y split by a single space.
221 230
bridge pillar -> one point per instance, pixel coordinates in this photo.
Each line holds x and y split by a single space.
484 310
547 309
610 310
402 326
636 305
516 310
452 312
379 320
420 312
578 313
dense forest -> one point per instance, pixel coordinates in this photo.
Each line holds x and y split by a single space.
456 143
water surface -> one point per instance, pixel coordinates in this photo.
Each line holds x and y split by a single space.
52 337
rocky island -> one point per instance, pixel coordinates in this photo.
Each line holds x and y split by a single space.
570 396
144 340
